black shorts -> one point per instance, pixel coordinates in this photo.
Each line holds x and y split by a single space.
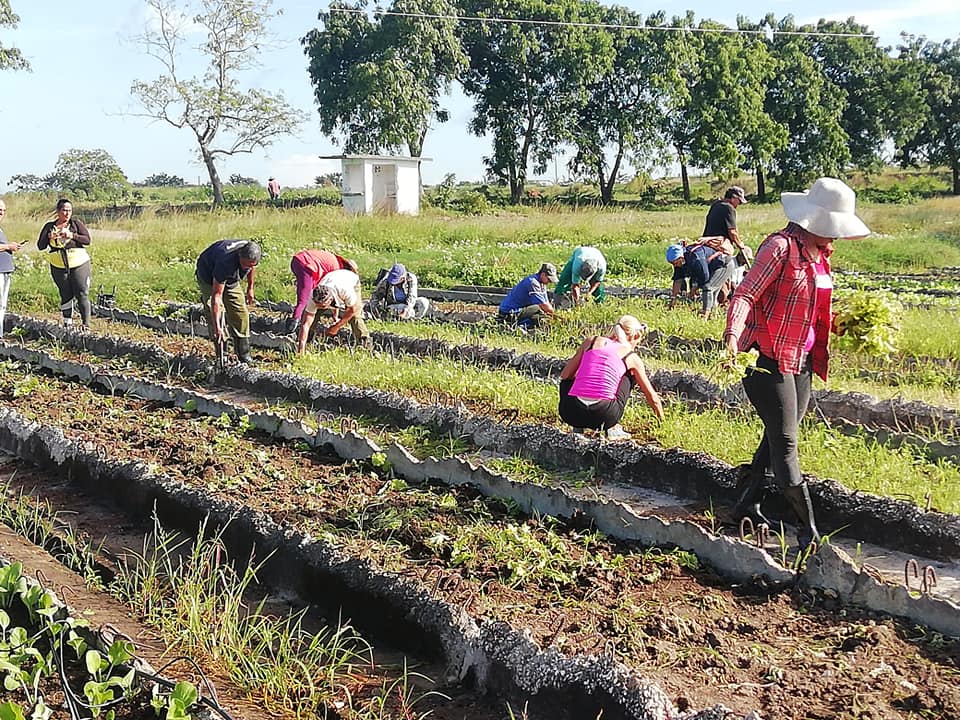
598 416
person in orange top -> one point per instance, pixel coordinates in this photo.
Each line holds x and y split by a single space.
783 309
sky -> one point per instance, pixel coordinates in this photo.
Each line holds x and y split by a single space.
84 59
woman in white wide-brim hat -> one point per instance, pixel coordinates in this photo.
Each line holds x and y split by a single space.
782 309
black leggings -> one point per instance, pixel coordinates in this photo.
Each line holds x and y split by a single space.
781 402
599 416
73 284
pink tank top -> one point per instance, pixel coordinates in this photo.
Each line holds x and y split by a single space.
822 299
600 372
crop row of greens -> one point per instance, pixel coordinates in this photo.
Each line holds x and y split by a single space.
44 654
857 462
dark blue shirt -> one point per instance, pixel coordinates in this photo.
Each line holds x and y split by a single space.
221 262
527 292
695 265
6 257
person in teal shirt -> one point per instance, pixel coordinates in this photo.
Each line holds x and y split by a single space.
583 275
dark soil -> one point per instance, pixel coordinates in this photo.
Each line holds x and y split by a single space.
790 655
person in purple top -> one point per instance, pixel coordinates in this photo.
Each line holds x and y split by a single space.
527 302
595 383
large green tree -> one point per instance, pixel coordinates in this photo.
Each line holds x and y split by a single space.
224 119
529 79
92 174
10 57
378 83
722 113
936 139
623 114
807 110
861 69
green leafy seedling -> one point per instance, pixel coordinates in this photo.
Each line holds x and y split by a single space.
98 694
11 711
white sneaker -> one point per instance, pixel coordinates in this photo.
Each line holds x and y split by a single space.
618 433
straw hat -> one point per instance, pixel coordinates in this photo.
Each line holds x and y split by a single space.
827 209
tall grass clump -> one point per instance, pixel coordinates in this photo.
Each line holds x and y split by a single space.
197 599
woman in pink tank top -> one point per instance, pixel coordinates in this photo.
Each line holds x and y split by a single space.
596 382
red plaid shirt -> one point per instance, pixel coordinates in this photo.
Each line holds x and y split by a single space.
773 308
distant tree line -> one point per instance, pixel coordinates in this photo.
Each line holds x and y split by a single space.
786 102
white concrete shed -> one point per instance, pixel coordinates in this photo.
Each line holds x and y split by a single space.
380 183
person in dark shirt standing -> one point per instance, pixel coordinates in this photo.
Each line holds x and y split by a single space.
220 268
66 240
722 216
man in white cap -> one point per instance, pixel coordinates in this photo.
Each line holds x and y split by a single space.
527 302
582 276
782 309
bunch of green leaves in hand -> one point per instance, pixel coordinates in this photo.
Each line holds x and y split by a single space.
868 322
729 369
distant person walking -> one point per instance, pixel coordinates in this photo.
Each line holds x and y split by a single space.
595 383
308 268
67 239
397 296
220 268
582 276
527 302
783 309
7 249
273 187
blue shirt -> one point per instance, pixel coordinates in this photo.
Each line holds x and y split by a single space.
527 292
221 262
6 257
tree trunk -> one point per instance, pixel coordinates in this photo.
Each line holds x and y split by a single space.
956 176
761 184
685 178
214 176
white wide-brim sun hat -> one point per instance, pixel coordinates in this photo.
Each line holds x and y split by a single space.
827 209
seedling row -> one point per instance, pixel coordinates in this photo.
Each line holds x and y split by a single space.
901 472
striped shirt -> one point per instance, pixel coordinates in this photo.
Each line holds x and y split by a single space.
775 307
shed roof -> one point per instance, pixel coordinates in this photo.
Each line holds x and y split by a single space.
381 158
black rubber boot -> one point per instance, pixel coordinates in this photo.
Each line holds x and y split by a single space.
242 347
751 492
798 498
